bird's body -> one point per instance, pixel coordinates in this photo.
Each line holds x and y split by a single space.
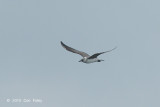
86 58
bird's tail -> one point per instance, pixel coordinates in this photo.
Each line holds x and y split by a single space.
100 60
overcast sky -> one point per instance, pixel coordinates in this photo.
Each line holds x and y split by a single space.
34 65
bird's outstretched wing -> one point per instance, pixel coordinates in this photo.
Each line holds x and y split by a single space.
97 54
83 54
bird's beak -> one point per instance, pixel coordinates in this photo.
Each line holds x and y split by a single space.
80 61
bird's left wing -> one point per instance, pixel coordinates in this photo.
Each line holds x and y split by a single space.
83 54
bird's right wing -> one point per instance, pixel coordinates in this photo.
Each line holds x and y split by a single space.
83 54
97 54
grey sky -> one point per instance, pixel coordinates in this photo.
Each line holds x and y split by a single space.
34 65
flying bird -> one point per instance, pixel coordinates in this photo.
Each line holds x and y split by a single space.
86 58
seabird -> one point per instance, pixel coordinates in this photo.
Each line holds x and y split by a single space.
86 58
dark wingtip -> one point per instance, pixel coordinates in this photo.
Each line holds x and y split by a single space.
115 48
62 43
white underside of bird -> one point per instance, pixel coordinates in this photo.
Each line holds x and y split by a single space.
86 60
91 60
